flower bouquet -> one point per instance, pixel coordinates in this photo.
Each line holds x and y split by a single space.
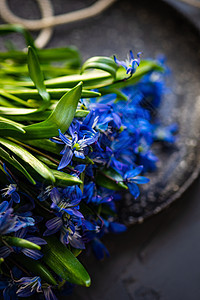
73 140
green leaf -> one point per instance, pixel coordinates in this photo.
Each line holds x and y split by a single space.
36 267
37 76
110 179
81 113
10 28
14 162
93 79
13 98
29 159
47 161
60 118
64 179
70 55
60 259
7 125
45 144
54 93
104 63
18 242
29 114
16 111
1 261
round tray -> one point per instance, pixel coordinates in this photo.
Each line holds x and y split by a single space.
153 28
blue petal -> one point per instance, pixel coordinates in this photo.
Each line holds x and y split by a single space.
80 168
117 227
48 294
3 206
15 197
5 251
117 120
54 224
120 63
55 195
133 173
66 159
140 179
36 240
89 120
64 149
131 54
134 189
79 154
65 139
99 249
77 243
34 254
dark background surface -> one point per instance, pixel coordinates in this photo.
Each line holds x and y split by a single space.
159 259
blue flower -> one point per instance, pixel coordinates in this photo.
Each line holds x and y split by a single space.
130 64
10 222
27 286
70 234
11 190
165 134
65 205
106 112
131 178
48 294
74 146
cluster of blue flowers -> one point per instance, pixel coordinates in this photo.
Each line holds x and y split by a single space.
110 150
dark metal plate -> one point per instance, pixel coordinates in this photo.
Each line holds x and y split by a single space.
155 28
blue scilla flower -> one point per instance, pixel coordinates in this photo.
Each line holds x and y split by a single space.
70 234
11 191
106 113
132 179
74 146
97 199
48 293
88 125
7 219
165 133
99 249
73 192
90 194
148 160
91 119
10 222
64 205
27 286
130 64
